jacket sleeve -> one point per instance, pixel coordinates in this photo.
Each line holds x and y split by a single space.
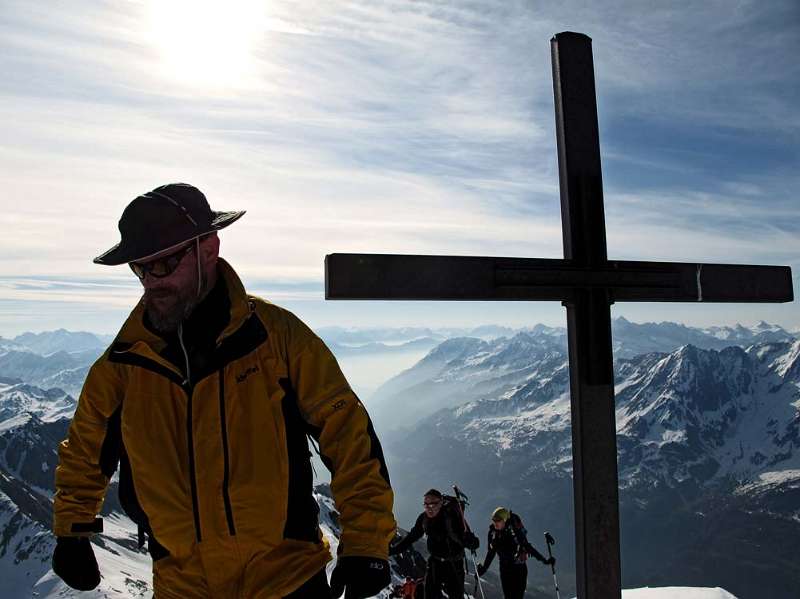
348 444
522 541
414 535
531 550
490 551
86 460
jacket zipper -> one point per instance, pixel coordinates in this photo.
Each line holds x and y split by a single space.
226 472
187 386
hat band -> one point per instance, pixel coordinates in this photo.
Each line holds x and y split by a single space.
174 202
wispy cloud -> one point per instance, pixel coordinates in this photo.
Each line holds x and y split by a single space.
395 126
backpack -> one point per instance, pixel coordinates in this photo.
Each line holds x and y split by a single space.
519 535
452 511
516 523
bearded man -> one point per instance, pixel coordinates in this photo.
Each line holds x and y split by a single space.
205 400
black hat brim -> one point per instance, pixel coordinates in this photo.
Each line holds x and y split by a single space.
140 249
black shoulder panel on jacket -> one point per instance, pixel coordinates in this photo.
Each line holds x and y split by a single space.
127 493
120 355
110 450
246 339
376 451
302 517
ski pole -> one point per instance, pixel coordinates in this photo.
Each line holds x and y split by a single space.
548 538
459 496
477 578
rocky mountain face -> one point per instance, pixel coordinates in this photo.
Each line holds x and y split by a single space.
465 369
708 454
17 397
462 370
33 421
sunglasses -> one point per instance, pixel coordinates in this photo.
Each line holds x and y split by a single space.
162 267
431 504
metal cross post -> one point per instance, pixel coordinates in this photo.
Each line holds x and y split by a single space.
587 283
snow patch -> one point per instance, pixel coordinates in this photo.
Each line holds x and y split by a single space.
677 593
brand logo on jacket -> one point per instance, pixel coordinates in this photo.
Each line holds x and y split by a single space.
240 378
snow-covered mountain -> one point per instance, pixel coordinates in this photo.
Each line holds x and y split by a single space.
632 339
29 439
734 413
61 369
62 358
51 359
463 369
50 342
709 448
18 398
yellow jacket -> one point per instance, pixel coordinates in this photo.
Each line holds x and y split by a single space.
222 452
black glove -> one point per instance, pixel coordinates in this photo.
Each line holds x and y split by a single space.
394 548
471 542
481 569
362 577
550 561
75 564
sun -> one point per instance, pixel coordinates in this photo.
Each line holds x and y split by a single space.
207 43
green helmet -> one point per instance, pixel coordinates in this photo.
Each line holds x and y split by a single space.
501 513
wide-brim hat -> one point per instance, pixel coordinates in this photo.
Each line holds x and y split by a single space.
163 219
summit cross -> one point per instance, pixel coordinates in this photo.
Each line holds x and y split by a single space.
587 283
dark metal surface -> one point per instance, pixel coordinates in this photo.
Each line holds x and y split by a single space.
591 374
414 277
594 446
579 173
587 283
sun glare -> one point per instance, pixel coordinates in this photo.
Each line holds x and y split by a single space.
207 43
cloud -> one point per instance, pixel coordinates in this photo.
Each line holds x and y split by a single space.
395 126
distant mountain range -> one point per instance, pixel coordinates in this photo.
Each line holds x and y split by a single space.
466 368
52 359
61 340
632 339
62 358
708 436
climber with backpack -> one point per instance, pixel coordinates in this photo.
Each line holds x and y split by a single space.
507 538
447 537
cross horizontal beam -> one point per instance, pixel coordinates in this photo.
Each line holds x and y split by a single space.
415 277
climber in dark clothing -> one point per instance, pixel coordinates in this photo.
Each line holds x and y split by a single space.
508 539
447 536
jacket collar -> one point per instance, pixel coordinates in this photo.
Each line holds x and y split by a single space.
134 331
240 303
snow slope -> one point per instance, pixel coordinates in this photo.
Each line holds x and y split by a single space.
677 593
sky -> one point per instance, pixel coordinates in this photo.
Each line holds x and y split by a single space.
389 127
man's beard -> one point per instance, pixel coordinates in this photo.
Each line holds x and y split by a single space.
173 307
